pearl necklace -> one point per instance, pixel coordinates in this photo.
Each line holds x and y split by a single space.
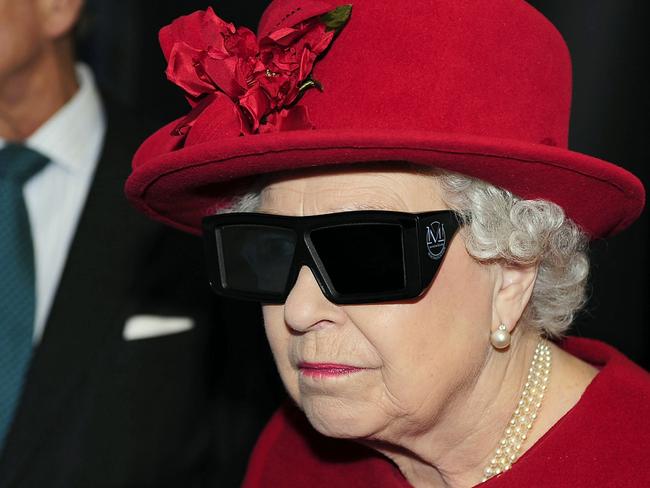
522 420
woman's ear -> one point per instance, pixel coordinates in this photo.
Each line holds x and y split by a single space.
513 289
58 17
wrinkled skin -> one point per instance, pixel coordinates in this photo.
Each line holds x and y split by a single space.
418 354
432 394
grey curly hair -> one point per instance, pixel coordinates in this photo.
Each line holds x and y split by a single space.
501 227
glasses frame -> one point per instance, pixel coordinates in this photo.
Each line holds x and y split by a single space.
421 263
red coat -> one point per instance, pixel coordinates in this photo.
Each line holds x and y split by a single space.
603 441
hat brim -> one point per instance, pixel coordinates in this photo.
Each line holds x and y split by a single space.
181 186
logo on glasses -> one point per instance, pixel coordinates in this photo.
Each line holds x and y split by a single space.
436 240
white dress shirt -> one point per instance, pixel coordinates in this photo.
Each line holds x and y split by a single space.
72 139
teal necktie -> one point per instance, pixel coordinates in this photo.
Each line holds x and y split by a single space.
17 283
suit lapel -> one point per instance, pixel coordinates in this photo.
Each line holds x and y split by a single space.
90 306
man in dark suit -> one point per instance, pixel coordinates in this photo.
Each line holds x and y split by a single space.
135 377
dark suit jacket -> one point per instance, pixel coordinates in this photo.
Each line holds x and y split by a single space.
181 410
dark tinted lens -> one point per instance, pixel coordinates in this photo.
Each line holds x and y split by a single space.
255 258
362 258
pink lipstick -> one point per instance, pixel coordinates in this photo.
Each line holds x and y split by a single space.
327 370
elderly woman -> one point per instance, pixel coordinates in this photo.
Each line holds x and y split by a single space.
393 186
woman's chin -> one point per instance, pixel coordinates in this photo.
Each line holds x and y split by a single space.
342 419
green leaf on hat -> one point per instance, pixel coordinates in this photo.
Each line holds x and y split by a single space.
335 19
309 82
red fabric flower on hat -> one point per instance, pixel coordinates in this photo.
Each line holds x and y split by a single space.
248 85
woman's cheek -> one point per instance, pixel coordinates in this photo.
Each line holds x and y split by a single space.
278 337
275 328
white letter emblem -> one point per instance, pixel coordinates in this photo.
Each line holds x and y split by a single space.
436 240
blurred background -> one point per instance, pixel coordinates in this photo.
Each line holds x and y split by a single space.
118 38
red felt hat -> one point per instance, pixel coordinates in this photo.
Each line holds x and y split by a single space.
479 87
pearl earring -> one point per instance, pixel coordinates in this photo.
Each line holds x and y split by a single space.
500 338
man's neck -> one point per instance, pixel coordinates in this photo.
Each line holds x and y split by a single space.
32 94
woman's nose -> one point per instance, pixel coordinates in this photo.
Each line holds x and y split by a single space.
306 306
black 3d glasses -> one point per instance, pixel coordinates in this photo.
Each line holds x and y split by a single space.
356 257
